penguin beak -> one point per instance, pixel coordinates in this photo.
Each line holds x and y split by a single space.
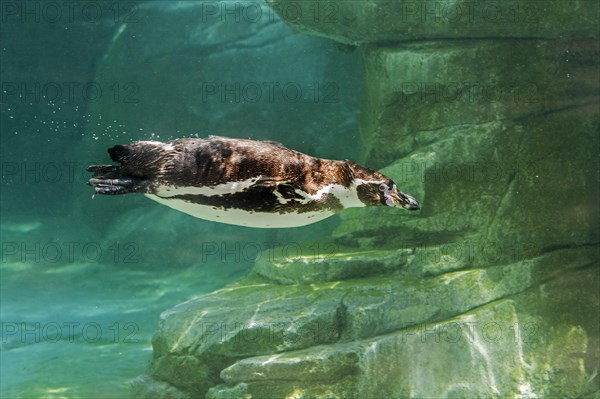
402 200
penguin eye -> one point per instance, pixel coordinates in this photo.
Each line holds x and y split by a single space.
383 187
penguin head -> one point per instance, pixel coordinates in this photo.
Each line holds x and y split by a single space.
376 189
390 196
385 193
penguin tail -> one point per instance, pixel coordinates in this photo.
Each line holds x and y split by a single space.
142 158
140 163
121 153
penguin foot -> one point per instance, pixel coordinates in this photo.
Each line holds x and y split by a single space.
110 180
112 186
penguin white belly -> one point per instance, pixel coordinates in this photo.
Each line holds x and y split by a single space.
241 217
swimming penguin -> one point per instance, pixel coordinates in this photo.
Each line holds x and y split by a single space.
244 182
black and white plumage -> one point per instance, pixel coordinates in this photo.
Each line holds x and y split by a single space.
244 182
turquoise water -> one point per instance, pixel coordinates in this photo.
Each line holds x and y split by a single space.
84 280
507 239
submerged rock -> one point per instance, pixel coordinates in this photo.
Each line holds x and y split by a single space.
469 356
390 22
300 337
320 262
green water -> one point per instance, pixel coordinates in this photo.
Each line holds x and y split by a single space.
84 279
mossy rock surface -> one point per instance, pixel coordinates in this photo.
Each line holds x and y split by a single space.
222 337
391 22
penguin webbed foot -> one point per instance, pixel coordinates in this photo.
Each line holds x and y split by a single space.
110 180
118 186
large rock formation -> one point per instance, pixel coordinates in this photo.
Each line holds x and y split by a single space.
392 22
492 290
